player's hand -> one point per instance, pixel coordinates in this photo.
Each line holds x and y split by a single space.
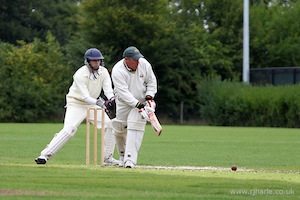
144 114
110 103
151 104
139 105
148 97
100 102
110 107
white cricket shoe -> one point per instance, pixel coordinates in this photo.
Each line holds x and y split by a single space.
41 160
129 164
121 161
110 161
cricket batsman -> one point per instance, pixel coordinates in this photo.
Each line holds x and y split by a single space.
135 86
88 82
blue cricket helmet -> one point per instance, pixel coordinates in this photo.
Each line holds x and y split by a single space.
93 54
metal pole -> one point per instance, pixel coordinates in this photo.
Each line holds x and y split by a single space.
246 71
181 112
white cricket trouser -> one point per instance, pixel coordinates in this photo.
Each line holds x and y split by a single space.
135 130
74 116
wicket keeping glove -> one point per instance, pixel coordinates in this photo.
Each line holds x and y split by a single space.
110 107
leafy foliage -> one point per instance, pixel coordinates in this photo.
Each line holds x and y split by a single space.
237 104
114 25
33 81
185 41
25 20
274 39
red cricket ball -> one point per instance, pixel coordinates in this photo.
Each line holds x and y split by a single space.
234 168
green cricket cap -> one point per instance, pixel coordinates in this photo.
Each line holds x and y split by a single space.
132 52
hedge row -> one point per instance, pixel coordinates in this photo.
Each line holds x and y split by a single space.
34 79
237 104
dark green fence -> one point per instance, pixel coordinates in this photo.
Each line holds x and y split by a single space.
275 76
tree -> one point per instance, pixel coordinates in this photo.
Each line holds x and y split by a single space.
172 35
34 81
274 40
114 25
196 50
25 20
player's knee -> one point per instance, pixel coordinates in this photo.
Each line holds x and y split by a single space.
69 130
136 121
118 126
108 124
139 126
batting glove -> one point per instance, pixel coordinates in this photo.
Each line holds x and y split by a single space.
148 97
151 104
145 112
139 105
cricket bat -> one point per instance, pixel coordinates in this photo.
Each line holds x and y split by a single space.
155 123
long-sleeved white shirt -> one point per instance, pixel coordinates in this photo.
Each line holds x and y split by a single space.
85 88
133 87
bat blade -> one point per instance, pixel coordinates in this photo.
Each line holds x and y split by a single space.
155 123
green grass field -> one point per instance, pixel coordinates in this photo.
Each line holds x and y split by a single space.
268 161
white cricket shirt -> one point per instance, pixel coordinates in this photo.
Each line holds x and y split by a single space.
86 86
132 87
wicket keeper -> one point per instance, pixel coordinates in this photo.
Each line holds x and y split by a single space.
88 82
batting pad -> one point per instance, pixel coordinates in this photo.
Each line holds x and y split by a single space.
109 143
136 121
58 141
119 126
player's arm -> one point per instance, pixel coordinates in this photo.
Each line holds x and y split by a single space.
82 89
107 84
148 113
150 81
